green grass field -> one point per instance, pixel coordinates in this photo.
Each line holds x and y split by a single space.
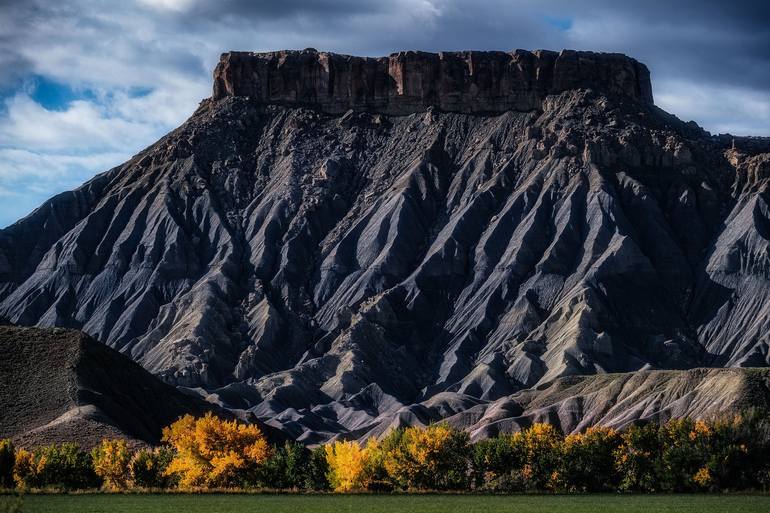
231 503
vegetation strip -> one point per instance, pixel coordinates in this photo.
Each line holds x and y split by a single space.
208 453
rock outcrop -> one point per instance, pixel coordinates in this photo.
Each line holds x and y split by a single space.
409 82
325 256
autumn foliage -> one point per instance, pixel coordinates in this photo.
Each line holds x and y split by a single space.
111 463
211 452
588 461
350 465
432 458
540 450
681 455
63 466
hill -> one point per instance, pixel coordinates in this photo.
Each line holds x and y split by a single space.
60 385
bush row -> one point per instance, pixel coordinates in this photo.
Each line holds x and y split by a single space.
681 455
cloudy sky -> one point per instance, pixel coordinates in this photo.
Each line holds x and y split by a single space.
86 84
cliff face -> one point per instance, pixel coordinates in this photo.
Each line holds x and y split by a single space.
410 82
335 273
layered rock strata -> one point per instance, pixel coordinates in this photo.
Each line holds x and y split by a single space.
409 82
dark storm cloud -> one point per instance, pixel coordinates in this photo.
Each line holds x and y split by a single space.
267 9
716 41
721 41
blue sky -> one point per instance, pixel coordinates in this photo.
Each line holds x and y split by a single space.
85 84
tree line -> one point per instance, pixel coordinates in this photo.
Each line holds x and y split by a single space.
681 455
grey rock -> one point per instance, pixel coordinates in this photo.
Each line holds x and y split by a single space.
334 263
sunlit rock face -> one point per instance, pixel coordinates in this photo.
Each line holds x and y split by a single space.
340 243
410 82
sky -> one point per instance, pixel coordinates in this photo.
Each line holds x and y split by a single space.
86 84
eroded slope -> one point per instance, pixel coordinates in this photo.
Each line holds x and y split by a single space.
328 270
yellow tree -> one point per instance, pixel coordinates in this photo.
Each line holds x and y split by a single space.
24 469
211 452
350 464
436 457
541 447
111 463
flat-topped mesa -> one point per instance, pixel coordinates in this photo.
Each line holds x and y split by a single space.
408 82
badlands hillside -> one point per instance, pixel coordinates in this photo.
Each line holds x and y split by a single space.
341 244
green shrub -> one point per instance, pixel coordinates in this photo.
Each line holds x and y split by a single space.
65 465
588 461
57 466
287 467
317 471
7 461
638 458
495 463
147 468
684 453
739 456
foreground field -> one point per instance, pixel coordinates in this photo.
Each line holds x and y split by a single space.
226 503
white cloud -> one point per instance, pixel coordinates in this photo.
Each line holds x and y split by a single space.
44 152
166 49
16 165
83 126
738 111
169 5
28 178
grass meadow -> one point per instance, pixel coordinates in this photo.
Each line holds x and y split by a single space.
368 503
